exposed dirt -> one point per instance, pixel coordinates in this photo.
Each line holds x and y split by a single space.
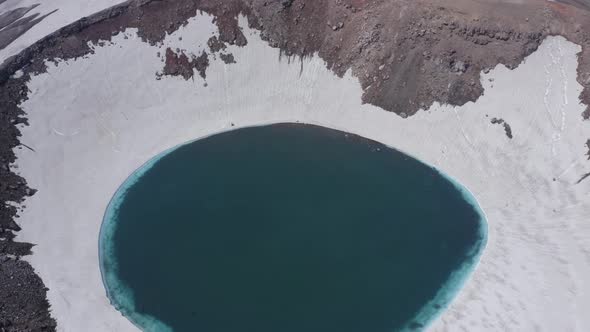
582 4
507 128
407 54
227 58
13 188
178 64
215 45
23 304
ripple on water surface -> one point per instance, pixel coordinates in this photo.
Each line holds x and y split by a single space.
287 228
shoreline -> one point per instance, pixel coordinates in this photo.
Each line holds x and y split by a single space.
442 299
103 234
463 273
106 134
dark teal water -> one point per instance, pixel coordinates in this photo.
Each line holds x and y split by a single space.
287 228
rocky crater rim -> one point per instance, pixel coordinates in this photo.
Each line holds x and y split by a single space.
425 52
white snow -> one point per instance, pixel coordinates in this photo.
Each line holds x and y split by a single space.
95 120
68 11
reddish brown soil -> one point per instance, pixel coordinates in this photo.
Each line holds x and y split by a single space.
407 54
179 64
582 4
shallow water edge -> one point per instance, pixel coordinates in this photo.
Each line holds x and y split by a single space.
121 297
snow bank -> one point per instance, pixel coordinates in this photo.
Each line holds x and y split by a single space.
93 121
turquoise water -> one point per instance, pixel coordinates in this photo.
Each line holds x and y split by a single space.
289 228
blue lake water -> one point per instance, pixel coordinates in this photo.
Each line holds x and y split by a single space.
287 228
